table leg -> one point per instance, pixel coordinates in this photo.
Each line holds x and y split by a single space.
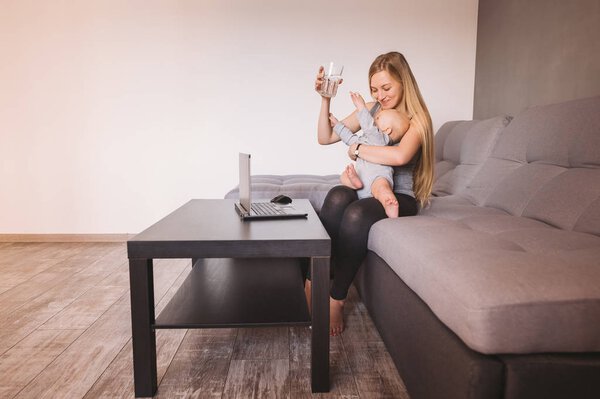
142 320
319 270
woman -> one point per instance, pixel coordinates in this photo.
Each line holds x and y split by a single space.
348 219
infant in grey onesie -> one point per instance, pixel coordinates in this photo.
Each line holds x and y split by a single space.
372 134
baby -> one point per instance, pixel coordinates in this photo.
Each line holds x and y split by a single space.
371 179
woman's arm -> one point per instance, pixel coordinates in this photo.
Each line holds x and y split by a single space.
397 155
325 133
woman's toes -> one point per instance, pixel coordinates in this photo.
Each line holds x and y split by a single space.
336 317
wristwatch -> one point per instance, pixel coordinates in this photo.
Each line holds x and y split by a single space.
356 151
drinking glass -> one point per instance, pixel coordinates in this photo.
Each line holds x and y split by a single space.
331 80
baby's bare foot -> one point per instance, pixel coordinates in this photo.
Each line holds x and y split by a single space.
353 176
390 204
336 317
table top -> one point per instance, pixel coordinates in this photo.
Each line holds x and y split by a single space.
211 228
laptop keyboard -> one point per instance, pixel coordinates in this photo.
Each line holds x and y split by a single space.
266 209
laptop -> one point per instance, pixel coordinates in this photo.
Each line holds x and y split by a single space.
260 210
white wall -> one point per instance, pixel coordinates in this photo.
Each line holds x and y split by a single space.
115 112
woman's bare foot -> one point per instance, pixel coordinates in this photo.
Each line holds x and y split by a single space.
357 184
336 317
336 311
307 292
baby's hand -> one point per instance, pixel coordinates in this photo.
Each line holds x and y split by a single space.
333 120
358 101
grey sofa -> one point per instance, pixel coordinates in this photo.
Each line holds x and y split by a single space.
493 290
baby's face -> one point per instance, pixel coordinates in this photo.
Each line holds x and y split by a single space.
385 122
392 123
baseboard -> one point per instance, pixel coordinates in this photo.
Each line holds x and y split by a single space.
65 237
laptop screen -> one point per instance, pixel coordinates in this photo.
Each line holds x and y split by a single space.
245 199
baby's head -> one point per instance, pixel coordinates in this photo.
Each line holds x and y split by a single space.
392 123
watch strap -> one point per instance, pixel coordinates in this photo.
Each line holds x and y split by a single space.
356 152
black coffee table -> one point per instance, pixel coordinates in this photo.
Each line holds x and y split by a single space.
244 274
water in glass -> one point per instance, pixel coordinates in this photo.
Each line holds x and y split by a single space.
330 85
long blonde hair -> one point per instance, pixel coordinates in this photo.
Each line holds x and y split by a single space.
413 105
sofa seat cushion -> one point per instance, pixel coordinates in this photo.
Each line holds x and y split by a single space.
311 187
455 207
503 284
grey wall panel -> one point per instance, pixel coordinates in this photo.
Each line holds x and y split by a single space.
535 52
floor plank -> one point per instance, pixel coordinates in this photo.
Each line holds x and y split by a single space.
21 270
86 309
4 288
29 357
192 374
262 343
34 313
74 372
259 379
25 290
65 331
372 366
117 379
201 365
89 262
76 369
342 384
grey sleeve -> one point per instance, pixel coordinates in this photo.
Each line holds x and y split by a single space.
365 119
345 134
372 134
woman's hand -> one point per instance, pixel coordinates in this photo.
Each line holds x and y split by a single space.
319 79
351 150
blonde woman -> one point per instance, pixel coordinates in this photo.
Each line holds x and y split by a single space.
348 219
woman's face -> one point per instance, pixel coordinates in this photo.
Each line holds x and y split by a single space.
386 90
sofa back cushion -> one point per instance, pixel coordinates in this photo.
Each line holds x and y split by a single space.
546 166
312 187
461 147
443 165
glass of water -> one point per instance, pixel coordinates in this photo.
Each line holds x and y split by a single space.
331 80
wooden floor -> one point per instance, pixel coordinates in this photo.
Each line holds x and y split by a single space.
65 332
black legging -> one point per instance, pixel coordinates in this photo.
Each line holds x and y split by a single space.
348 221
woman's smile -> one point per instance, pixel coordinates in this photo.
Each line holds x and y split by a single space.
386 90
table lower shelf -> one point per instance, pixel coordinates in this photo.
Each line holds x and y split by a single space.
242 292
